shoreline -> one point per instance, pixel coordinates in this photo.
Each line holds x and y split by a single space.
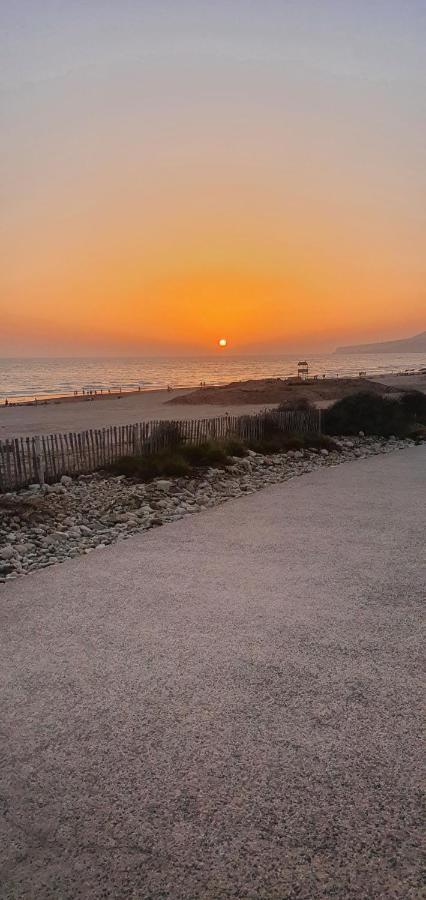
79 413
90 396
107 393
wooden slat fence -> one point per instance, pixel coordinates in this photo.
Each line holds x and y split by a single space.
31 460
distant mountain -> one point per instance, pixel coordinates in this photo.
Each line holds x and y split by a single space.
416 344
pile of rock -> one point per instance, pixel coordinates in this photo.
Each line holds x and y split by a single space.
43 526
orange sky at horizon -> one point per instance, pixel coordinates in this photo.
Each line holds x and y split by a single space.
157 202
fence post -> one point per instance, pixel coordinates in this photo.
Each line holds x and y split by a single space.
136 442
39 459
319 421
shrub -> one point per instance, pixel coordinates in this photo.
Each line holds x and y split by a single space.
321 442
418 434
234 447
367 412
146 467
300 404
270 425
181 460
283 442
266 445
206 454
167 434
414 402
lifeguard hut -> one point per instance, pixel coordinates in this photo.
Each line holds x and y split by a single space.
303 370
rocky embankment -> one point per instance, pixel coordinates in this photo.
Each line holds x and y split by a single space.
42 527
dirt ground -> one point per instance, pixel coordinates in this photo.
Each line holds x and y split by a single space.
278 390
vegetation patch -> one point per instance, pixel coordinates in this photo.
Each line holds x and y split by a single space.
148 466
373 414
234 447
276 441
414 404
180 460
207 454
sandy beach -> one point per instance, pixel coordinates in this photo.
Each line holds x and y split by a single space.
79 413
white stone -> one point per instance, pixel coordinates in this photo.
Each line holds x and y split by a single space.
24 548
56 489
7 552
164 485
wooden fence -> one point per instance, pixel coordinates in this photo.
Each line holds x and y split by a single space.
41 459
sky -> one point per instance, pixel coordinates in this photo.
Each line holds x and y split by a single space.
177 171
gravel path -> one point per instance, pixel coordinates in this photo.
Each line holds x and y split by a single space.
41 527
228 706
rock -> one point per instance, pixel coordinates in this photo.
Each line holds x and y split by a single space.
66 481
144 510
361 433
54 538
126 517
7 552
164 485
56 489
91 512
23 549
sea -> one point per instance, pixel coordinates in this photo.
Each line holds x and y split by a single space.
24 378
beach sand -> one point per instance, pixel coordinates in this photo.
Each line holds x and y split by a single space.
79 414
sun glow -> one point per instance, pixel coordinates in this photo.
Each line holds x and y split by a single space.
223 342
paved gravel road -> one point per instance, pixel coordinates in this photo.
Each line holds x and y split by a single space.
228 706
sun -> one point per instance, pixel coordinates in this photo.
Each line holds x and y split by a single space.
223 342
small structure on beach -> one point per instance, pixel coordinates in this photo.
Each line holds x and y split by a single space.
303 369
